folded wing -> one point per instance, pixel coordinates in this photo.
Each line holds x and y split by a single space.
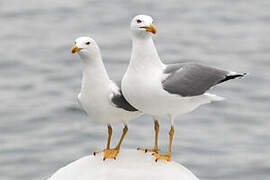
118 100
192 79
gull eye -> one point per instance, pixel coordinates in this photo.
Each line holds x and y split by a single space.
139 21
87 43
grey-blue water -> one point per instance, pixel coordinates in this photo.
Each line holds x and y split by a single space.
42 128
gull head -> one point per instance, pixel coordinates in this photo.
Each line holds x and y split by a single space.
142 26
86 47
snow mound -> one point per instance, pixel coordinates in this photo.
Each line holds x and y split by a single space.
129 165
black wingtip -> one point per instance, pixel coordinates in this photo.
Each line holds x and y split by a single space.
238 75
233 76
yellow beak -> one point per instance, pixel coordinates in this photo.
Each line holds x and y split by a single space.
150 28
75 49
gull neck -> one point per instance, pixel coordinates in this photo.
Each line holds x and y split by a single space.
144 53
93 67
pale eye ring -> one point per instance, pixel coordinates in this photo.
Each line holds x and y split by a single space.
87 43
139 21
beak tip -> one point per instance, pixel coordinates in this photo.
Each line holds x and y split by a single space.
153 29
74 49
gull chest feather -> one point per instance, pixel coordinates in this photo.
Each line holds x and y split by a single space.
140 86
94 95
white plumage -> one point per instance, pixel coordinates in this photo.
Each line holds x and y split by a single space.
100 97
165 90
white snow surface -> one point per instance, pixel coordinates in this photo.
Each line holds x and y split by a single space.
129 165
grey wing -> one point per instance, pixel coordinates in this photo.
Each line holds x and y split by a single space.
191 79
120 101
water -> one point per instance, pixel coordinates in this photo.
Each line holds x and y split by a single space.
42 128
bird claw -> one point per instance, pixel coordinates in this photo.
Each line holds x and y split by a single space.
111 153
160 156
155 150
108 153
96 152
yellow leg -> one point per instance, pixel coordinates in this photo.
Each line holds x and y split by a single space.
168 156
125 130
108 141
109 136
156 140
112 153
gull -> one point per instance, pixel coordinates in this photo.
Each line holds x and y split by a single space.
166 90
101 97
